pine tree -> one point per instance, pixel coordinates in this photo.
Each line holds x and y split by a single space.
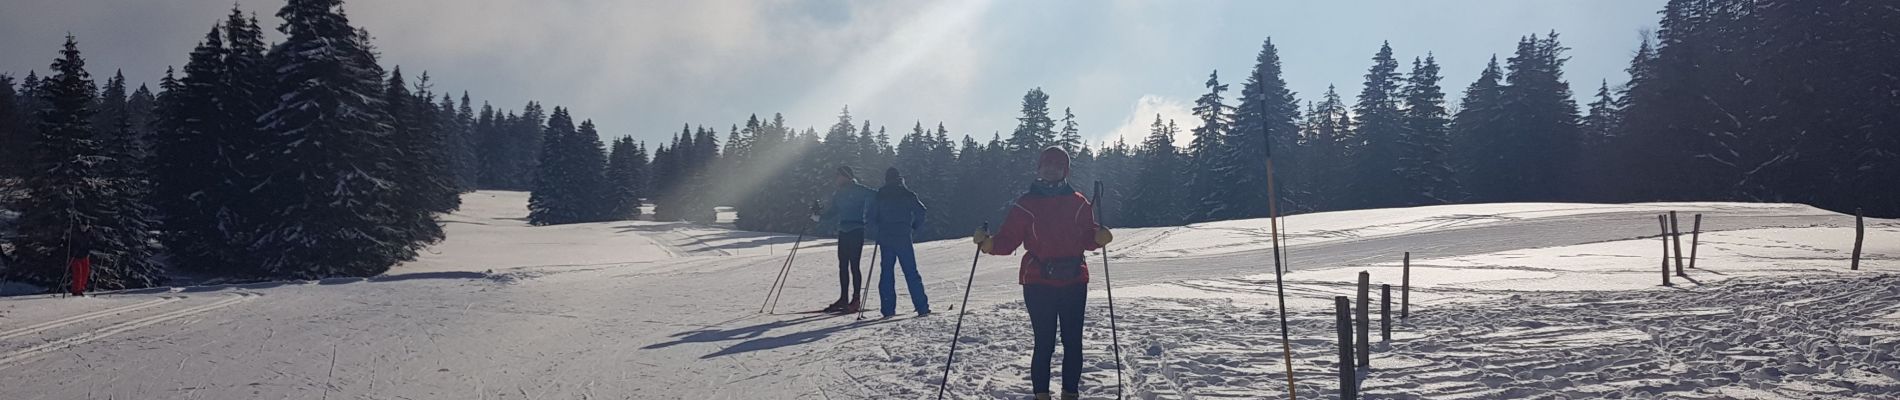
1423 163
1071 137
71 192
192 163
1478 133
111 106
701 200
1541 117
1157 202
1116 166
1207 195
332 211
624 165
15 139
1325 156
1266 117
1376 166
1034 132
465 145
869 157
570 183
141 114
1599 129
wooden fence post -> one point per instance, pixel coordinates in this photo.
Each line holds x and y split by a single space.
1860 232
1405 288
1695 239
1385 313
1663 222
1365 320
1675 235
1348 373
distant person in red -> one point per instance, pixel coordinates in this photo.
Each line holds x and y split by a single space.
80 260
1056 225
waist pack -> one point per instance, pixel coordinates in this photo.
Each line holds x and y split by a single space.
1061 269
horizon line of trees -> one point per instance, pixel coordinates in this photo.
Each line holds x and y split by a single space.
1738 100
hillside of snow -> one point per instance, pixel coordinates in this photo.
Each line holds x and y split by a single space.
1509 301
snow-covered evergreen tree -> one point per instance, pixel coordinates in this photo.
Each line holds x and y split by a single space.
570 185
15 138
72 191
328 180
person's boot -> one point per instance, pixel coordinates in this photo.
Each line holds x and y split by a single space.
835 306
1071 396
1043 396
854 306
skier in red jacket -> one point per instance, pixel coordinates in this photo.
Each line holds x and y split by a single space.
79 261
1056 225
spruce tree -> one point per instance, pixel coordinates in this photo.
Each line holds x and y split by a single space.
72 191
141 114
570 184
1158 197
111 106
1423 164
1377 178
1325 164
1266 117
1071 136
1034 131
1479 132
15 139
1207 195
1541 117
190 163
331 209
466 146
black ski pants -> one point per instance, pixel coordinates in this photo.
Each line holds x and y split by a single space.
1051 309
850 255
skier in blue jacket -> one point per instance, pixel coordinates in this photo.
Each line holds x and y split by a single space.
895 219
846 213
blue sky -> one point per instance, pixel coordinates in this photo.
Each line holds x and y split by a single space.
646 67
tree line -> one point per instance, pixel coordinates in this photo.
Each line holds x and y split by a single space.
243 166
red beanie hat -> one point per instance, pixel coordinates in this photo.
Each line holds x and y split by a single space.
1054 156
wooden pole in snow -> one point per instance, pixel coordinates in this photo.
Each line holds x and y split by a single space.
1385 313
1695 239
1365 319
1860 232
1348 373
1675 235
1405 288
1663 222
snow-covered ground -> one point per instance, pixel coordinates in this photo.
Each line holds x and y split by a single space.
1510 301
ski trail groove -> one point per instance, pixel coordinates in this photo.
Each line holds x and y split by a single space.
14 358
35 328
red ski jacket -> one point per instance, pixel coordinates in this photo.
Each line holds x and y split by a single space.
1050 225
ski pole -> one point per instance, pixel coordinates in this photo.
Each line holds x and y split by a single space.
784 277
957 333
778 284
1114 334
865 288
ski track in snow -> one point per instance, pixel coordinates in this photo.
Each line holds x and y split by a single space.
1510 301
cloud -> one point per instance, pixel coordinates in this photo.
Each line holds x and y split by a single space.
1137 126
